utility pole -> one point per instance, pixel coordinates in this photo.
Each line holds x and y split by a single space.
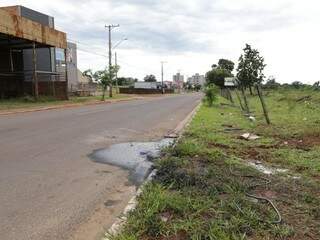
35 75
110 27
178 79
116 63
162 74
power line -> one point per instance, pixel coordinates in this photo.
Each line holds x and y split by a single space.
144 68
93 53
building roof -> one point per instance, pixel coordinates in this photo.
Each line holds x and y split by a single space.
18 27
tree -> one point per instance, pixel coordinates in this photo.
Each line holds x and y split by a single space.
214 66
272 83
219 72
226 64
150 78
250 68
211 95
197 87
217 76
126 81
297 84
105 78
316 85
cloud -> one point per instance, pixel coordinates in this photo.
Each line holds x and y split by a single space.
191 34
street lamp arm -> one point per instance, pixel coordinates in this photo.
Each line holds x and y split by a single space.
118 43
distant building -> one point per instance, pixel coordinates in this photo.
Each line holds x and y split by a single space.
147 85
168 84
178 81
197 79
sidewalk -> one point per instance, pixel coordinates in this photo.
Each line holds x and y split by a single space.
64 105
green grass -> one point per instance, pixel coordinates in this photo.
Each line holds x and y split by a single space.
29 102
201 185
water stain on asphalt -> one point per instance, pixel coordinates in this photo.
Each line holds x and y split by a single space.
111 203
137 157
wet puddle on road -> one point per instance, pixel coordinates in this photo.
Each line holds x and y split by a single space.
137 157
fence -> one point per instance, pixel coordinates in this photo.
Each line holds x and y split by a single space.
18 84
144 91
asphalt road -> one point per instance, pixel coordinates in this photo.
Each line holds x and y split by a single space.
50 189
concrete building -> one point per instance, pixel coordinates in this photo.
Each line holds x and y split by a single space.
72 65
32 54
178 81
147 85
168 84
197 79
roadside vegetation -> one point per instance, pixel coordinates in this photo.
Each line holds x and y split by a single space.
204 185
248 166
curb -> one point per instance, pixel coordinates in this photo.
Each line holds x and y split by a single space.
67 106
186 122
119 223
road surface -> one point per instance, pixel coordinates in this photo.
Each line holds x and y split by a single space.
50 189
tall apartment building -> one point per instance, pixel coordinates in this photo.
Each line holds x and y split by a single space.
197 79
178 80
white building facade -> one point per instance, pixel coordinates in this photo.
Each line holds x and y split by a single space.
178 81
197 79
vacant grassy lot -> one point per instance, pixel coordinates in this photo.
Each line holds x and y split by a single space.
206 188
28 102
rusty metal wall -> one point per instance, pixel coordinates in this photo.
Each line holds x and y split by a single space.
55 89
13 87
13 10
20 27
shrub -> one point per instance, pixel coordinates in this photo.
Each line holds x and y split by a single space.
211 95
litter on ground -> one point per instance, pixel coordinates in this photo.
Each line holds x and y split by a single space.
249 136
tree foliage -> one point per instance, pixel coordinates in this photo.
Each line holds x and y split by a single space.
219 72
316 85
126 81
226 64
271 83
150 78
217 77
250 67
297 84
211 95
106 78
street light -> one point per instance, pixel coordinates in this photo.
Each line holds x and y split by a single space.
162 85
116 60
119 42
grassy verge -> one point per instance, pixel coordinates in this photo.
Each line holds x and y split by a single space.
29 103
203 184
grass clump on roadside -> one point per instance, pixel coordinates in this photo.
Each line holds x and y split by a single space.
203 186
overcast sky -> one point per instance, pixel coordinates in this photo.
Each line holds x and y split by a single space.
191 35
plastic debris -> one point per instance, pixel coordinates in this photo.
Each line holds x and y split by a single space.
249 136
252 118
